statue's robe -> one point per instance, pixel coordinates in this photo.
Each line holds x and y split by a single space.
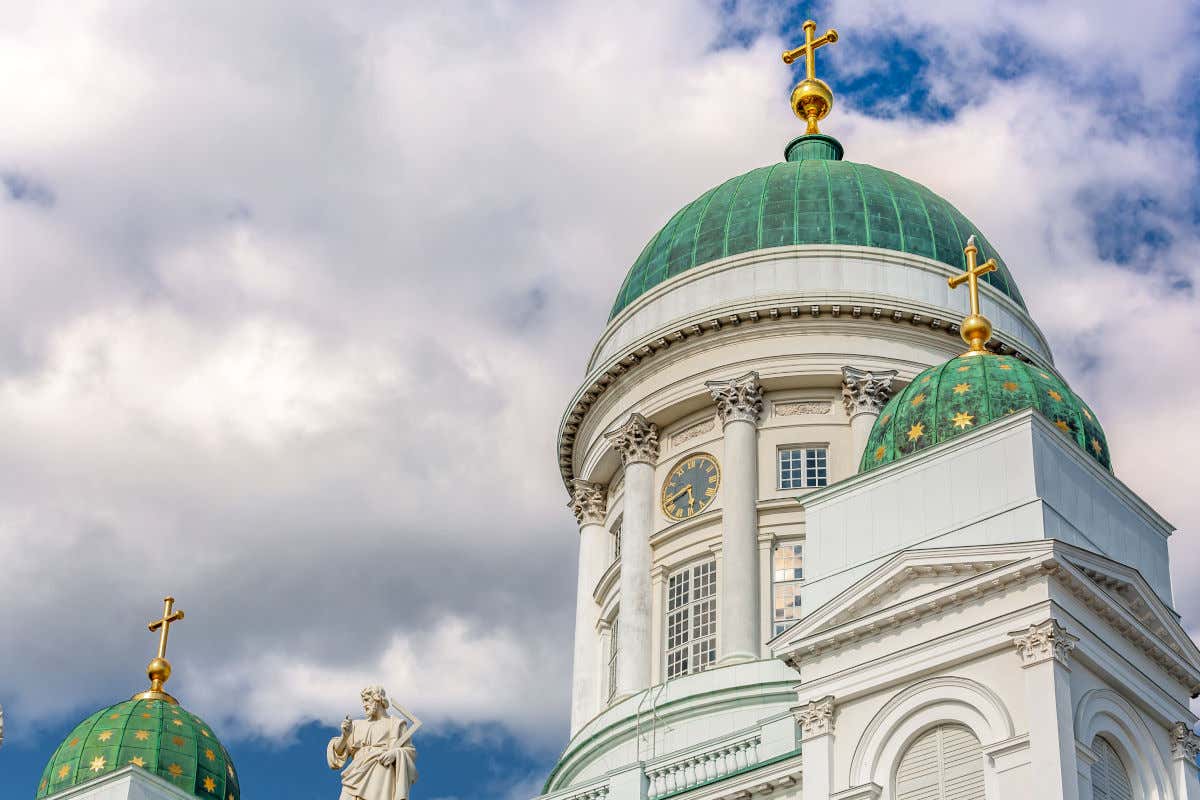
366 778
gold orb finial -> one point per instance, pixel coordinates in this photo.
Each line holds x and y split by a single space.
159 669
975 329
812 99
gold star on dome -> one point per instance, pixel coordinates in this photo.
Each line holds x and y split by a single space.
210 755
879 451
105 736
1062 426
177 741
916 401
962 388
1009 386
142 736
203 732
962 419
114 716
146 716
885 419
74 742
1096 445
230 768
210 785
1086 414
1006 366
175 770
926 379
138 761
962 369
177 722
1055 396
63 771
98 763
42 785
1044 375
916 431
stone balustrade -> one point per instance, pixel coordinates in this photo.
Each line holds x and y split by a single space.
701 767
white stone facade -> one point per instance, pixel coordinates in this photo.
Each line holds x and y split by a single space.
130 783
1023 611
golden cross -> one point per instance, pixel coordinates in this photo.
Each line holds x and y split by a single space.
809 48
164 625
975 329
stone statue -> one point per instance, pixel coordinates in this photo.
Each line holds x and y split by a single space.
1 724
384 759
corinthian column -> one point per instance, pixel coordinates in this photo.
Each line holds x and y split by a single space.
1044 650
636 441
864 393
739 403
588 502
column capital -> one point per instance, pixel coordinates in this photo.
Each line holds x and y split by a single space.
589 501
1043 642
738 399
866 391
815 718
1185 744
635 440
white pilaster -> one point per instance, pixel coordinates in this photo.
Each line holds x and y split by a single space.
864 394
588 501
766 585
1185 746
816 739
636 441
739 404
1044 650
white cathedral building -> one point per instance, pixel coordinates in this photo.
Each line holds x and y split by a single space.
823 553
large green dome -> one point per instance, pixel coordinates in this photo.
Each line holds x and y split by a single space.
155 735
970 391
812 198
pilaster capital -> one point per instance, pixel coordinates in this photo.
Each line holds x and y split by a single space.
1043 642
636 440
866 391
815 718
1185 743
589 501
737 398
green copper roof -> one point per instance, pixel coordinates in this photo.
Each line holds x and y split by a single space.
813 198
969 391
157 736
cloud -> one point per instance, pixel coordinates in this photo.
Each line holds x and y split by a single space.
292 337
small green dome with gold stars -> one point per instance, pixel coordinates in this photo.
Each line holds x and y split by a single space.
970 391
152 734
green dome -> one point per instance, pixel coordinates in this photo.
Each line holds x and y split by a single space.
970 391
812 198
153 734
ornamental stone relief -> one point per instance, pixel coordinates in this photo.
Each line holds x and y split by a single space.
1184 742
796 408
866 391
697 430
588 501
816 718
636 441
738 399
1042 642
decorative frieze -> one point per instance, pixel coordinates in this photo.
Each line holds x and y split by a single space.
816 718
1044 641
1184 742
738 399
796 408
588 501
636 441
693 432
866 391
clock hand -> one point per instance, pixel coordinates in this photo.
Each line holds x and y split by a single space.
684 490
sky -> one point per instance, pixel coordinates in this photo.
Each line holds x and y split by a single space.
293 295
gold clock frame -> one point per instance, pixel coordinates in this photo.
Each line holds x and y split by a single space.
662 493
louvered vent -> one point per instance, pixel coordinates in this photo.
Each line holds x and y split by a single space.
945 763
1110 780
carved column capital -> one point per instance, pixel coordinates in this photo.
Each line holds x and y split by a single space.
866 391
1184 742
636 440
815 718
1043 642
737 398
589 501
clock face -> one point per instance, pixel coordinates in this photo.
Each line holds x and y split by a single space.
691 486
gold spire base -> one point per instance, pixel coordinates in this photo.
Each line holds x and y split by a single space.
153 695
976 331
812 100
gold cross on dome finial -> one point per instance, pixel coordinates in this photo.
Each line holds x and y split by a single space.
975 329
812 98
159 669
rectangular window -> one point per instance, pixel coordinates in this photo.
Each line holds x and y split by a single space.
803 467
612 661
616 541
692 619
787 575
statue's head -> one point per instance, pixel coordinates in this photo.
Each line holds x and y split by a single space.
375 702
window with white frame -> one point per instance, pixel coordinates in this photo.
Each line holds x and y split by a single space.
787 574
616 541
1110 779
612 661
691 619
803 467
944 763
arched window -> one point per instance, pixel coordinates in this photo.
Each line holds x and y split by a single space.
1110 780
944 763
